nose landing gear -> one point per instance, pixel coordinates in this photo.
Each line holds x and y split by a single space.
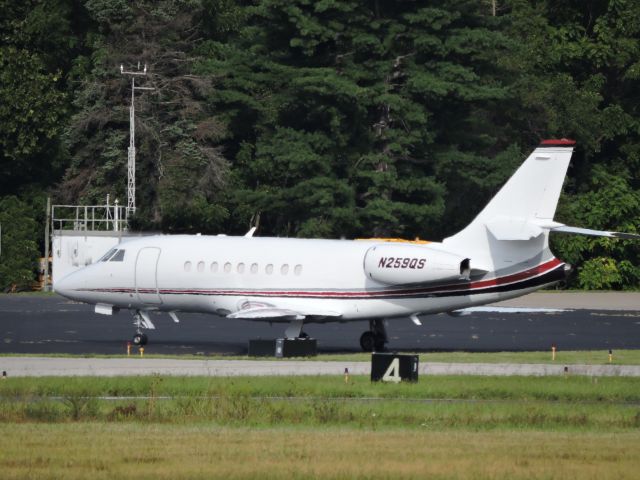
141 320
140 339
375 338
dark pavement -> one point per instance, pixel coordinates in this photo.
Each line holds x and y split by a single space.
37 324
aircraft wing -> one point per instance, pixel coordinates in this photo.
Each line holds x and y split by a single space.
257 312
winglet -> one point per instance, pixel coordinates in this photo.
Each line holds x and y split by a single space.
251 231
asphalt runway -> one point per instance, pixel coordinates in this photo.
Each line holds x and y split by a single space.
36 324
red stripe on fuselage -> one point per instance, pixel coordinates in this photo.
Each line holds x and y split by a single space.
472 286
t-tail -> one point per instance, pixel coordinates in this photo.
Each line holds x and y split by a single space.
513 229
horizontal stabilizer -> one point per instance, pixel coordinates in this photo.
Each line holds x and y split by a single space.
595 233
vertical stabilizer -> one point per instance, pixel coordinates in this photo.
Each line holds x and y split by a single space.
522 211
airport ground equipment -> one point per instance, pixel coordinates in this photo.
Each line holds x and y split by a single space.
296 347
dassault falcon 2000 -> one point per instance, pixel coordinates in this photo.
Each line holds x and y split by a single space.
503 253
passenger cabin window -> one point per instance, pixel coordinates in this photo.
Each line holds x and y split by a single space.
118 256
254 268
187 266
297 270
108 255
284 269
200 267
241 268
227 267
214 267
269 269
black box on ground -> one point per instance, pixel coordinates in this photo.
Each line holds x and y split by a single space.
262 347
296 347
393 367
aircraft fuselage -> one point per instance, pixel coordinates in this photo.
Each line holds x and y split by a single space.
225 275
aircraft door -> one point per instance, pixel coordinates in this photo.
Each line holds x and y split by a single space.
146 276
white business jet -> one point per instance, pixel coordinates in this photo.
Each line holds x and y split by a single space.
502 254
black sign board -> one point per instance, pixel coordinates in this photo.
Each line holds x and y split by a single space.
392 367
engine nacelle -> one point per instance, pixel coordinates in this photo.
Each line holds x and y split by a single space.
395 264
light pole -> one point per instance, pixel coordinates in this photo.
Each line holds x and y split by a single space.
131 153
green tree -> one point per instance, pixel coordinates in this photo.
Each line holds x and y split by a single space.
31 111
179 166
575 68
19 254
385 94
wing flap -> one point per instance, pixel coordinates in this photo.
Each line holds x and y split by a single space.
266 312
250 311
494 309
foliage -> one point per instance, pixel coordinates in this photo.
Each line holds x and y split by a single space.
31 108
19 254
180 168
610 204
329 118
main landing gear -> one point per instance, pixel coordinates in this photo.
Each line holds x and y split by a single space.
141 320
375 338
294 331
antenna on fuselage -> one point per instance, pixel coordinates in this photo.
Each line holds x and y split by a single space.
131 152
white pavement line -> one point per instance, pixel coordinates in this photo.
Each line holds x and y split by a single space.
109 367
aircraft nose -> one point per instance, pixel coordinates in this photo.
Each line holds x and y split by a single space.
68 285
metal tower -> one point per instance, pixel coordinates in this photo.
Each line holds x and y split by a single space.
131 152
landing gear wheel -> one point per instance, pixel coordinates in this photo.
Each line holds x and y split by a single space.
368 341
140 339
376 337
303 336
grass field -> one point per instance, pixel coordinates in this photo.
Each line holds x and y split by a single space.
211 427
108 451
552 388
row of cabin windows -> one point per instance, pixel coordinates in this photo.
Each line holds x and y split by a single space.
241 268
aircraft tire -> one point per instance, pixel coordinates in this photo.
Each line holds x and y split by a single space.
140 339
368 341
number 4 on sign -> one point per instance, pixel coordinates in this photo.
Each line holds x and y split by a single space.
393 372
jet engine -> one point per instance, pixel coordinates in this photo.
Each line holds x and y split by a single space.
404 264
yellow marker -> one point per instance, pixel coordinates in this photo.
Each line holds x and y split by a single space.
142 351
346 375
610 356
553 352
128 349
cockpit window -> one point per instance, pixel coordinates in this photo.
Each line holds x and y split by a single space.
108 255
118 257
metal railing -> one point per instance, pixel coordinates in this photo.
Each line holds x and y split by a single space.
89 218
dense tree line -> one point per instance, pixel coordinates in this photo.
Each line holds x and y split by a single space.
320 118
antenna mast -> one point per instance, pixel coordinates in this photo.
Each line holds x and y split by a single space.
131 152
